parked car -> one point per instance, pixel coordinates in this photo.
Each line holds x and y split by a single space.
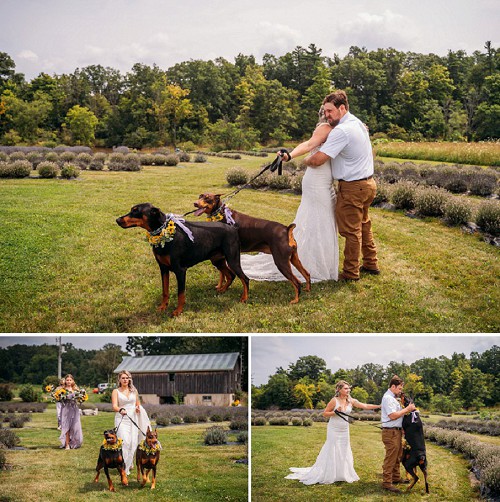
102 387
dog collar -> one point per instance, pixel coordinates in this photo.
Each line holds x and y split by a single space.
221 213
147 449
164 234
116 446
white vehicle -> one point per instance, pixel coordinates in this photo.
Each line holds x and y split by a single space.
102 387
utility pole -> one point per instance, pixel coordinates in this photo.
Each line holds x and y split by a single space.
61 351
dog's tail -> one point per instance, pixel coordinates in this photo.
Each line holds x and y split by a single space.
291 239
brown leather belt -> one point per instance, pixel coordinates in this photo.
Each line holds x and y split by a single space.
362 179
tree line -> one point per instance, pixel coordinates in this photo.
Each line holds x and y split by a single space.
241 104
443 384
32 364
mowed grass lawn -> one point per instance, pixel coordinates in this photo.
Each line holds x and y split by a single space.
66 266
188 470
275 449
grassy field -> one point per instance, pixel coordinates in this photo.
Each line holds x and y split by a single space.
188 470
482 153
276 449
67 267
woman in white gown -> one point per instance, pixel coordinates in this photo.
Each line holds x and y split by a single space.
335 461
316 230
125 401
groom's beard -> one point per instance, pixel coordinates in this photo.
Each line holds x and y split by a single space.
333 122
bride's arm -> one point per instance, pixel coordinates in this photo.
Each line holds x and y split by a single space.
330 407
318 138
365 406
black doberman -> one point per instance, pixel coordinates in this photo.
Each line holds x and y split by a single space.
414 453
257 234
177 249
111 457
147 457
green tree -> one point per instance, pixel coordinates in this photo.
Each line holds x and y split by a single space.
470 385
304 393
360 394
106 360
307 366
81 123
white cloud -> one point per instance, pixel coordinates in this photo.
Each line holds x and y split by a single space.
27 55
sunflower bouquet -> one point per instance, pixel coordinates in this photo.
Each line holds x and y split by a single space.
61 394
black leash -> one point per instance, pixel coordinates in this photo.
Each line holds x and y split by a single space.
123 416
276 164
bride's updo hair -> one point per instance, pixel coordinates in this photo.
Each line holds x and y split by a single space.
321 116
130 382
339 386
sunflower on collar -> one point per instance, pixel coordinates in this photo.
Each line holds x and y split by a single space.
166 235
116 446
218 216
148 449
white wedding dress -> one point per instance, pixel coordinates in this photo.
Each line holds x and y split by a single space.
315 233
335 461
127 431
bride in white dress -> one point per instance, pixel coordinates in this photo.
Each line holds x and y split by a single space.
335 461
316 230
125 401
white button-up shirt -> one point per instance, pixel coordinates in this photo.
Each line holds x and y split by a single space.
389 405
349 148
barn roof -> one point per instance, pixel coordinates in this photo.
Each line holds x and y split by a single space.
173 363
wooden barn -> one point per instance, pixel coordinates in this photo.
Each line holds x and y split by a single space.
201 379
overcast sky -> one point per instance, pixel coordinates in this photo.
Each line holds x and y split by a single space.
58 36
347 352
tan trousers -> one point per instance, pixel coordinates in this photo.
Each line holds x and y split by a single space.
392 439
353 201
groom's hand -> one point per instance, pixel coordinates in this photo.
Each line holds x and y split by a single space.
411 407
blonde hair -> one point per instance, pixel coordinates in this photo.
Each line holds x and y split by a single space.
338 387
321 116
130 382
74 386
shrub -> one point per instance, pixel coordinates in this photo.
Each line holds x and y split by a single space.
3 157
457 211
238 425
488 217
483 184
16 169
404 194
116 161
457 183
263 180
296 183
431 201
48 169
199 158
171 160
307 422
296 421
162 420
215 418
215 435
34 157
236 176
160 160
6 393
67 156
184 157
281 420
17 422
121 149
176 420
30 394
147 159
100 157
69 171
17 156
3 459
52 157
96 165
490 478
203 418
242 437
260 421
282 182
8 438
383 193
190 418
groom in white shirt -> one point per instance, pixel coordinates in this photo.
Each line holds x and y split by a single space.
392 433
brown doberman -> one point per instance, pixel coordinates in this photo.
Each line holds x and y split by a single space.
111 457
178 245
256 234
147 457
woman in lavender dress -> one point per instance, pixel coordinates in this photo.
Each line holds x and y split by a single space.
59 405
71 426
